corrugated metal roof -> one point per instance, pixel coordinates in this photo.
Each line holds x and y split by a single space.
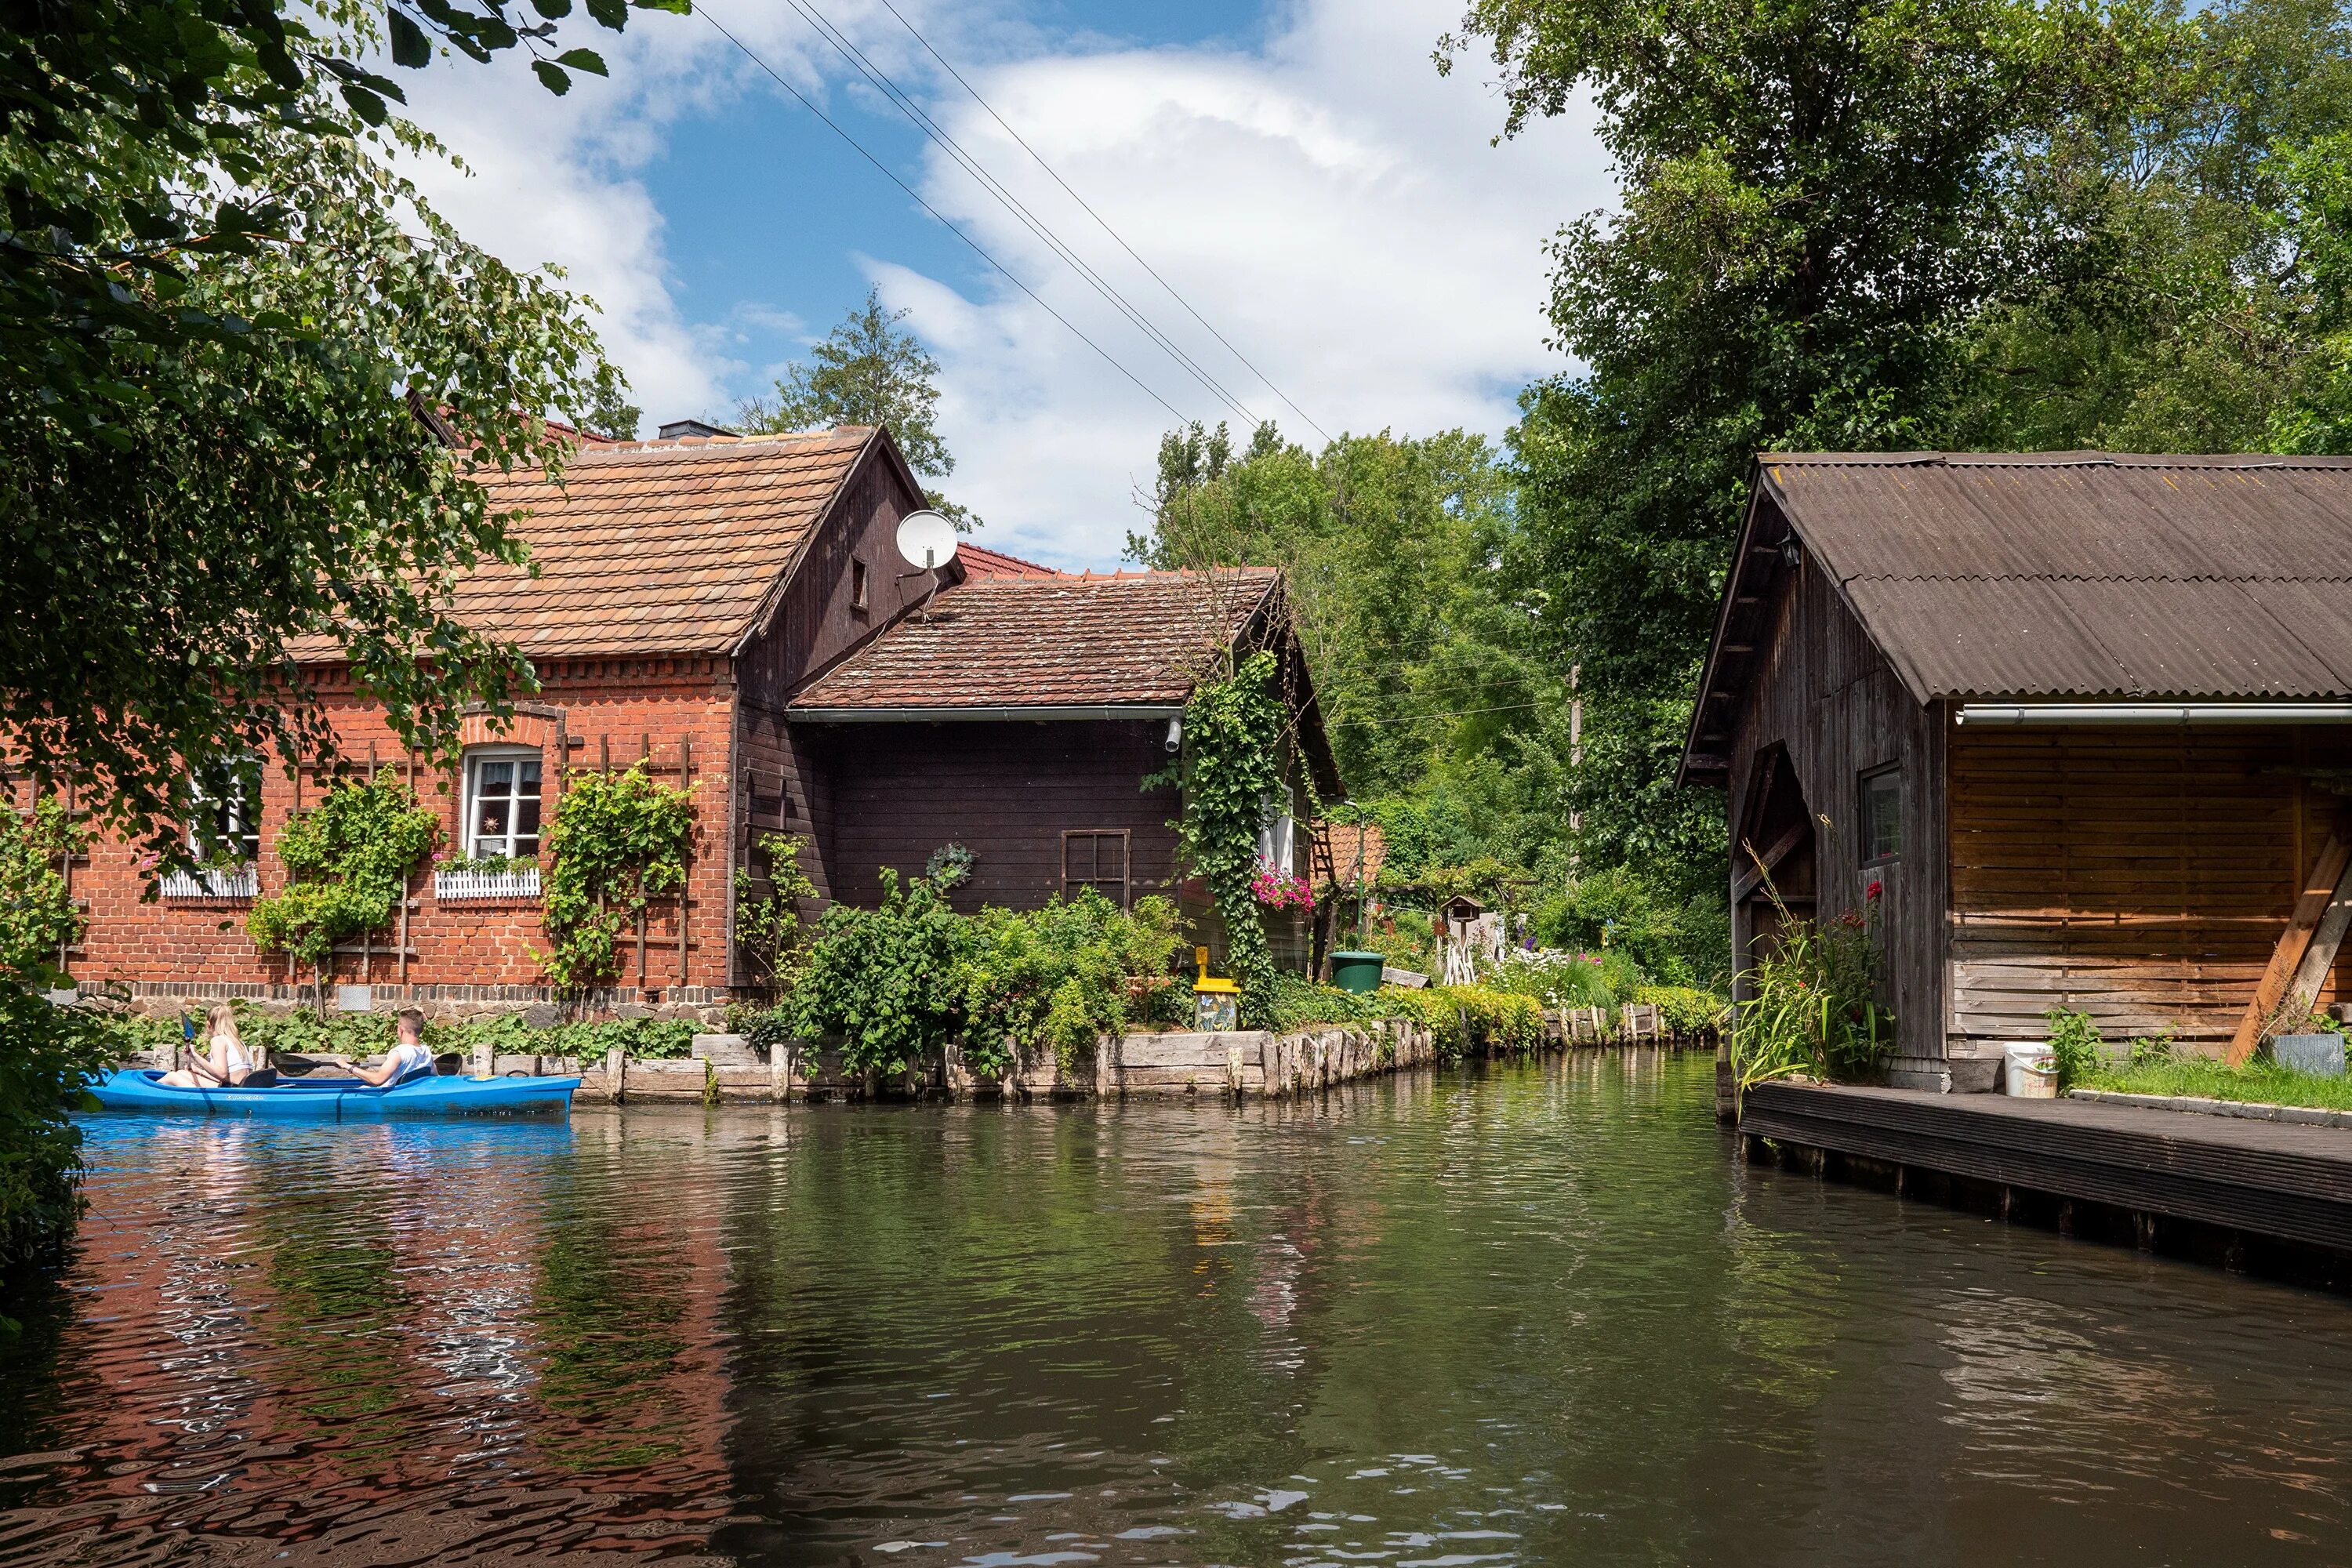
2088 574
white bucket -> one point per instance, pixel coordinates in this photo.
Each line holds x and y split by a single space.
2020 1078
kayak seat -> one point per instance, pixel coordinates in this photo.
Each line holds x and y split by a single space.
261 1078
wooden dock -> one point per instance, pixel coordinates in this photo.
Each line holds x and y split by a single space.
2206 1185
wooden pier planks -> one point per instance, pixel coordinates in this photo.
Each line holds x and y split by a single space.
2266 1178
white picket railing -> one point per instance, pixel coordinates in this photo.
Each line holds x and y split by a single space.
449 886
231 882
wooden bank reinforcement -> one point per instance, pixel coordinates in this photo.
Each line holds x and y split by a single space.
2238 1191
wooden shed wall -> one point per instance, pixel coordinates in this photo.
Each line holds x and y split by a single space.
891 794
2142 876
1823 691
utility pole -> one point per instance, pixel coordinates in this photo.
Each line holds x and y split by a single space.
1575 761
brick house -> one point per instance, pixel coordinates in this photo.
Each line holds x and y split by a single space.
733 614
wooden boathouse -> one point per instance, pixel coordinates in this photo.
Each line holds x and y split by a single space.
2076 728
2082 720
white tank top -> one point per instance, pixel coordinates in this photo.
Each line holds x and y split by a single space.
237 1058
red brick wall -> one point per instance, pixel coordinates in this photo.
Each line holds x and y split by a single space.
461 953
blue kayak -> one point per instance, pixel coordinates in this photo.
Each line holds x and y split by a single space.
338 1098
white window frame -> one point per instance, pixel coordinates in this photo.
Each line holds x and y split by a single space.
471 801
241 828
1277 834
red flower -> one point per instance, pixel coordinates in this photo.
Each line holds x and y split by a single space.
1875 890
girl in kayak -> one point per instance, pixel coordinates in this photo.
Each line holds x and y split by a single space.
408 1057
226 1061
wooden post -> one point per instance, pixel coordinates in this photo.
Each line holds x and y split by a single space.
2327 941
686 881
616 1066
2311 906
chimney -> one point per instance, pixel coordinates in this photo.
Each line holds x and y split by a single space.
678 429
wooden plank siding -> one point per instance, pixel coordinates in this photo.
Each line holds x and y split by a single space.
1007 792
2141 876
1822 690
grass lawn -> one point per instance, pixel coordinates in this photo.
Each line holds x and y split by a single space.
2208 1079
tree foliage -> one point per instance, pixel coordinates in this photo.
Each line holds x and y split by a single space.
868 371
254 389
46 1052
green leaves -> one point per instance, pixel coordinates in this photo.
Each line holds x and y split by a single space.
866 371
618 840
409 46
350 857
1231 766
885 981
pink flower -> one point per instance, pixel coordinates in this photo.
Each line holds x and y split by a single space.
147 862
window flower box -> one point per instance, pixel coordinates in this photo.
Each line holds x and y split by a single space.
519 886
213 882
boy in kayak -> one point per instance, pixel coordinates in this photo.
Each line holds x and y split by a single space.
407 1058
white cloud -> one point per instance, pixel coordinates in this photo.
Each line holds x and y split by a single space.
1328 202
1330 205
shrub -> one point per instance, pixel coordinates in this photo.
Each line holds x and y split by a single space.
1060 977
1684 1012
46 1052
1557 978
1300 1003
1671 940
1465 1018
887 982
1814 1004
2075 1046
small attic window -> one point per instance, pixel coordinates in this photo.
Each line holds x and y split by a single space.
857 584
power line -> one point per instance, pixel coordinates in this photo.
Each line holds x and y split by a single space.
704 11
1448 713
1104 224
922 120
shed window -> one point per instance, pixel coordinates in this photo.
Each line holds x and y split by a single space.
502 803
1882 815
225 812
857 584
1097 858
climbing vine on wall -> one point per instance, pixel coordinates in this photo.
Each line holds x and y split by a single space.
350 857
1231 763
618 841
768 927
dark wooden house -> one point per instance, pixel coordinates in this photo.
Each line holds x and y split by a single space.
2076 729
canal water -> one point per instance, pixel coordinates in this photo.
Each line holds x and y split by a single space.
1532 1314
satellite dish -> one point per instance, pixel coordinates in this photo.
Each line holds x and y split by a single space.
927 540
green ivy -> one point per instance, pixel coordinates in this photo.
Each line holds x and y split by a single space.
768 929
618 841
350 857
1231 764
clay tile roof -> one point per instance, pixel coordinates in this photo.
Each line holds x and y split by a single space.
979 562
1343 842
2088 573
1133 637
653 547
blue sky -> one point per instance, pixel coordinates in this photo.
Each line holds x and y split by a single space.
1298 170
752 234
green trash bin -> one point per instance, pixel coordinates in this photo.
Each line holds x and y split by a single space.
1357 971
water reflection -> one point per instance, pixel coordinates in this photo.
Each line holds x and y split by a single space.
1531 1316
